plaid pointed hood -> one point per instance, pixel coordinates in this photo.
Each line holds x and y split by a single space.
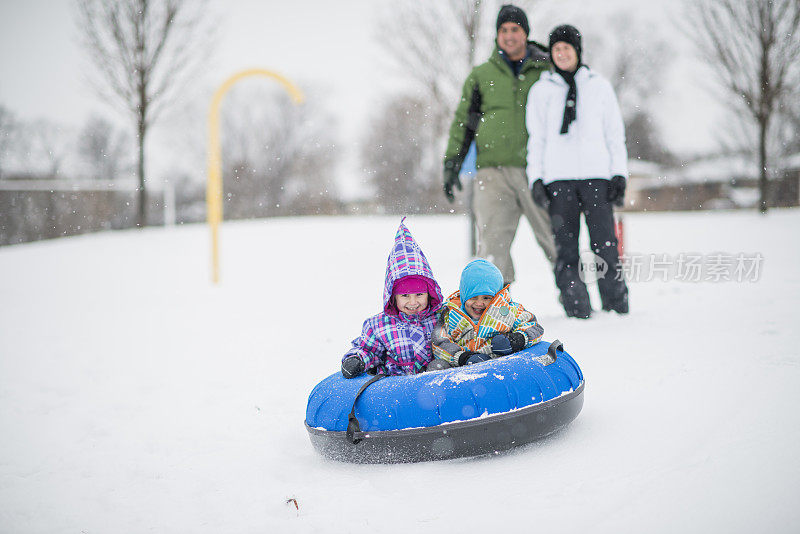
407 259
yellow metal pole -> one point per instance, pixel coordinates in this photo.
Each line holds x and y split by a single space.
214 185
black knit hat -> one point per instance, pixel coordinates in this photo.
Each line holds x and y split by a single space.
509 13
568 34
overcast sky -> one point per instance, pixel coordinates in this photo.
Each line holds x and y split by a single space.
330 44
42 67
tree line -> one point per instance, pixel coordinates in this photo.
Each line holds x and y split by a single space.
281 160
750 51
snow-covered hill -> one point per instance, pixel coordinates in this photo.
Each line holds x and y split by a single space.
135 397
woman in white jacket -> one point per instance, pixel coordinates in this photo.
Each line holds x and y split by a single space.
577 163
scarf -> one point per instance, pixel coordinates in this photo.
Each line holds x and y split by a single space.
571 104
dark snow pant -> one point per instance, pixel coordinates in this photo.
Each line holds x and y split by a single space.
568 199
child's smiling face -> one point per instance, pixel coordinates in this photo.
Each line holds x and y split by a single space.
477 305
411 303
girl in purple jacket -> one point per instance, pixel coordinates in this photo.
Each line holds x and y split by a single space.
397 341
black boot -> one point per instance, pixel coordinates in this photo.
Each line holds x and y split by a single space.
575 300
619 305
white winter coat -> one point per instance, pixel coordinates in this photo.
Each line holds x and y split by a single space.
594 146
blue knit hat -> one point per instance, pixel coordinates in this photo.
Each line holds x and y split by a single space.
479 277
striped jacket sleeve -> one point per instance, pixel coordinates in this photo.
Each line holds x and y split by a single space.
527 324
368 346
443 346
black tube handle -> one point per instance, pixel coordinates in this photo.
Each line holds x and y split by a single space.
353 427
554 346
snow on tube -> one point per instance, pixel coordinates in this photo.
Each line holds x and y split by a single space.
465 411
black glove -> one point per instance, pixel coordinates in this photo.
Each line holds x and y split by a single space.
539 193
352 367
505 344
462 360
451 170
469 357
616 190
478 358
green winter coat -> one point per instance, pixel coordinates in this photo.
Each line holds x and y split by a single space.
492 111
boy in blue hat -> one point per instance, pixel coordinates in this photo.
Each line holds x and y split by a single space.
480 321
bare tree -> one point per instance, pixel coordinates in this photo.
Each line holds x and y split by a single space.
393 157
7 128
634 59
102 148
736 134
143 50
787 136
278 158
753 48
312 188
433 46
49 146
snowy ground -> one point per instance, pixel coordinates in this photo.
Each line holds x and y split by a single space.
135 397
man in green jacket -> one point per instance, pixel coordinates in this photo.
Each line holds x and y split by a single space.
492 114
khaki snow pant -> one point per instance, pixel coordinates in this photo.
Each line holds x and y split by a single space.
500 196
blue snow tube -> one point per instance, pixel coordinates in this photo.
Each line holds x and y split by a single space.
465 411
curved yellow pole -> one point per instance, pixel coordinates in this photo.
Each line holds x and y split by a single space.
214 185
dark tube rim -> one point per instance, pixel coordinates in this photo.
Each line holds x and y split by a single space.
456 425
